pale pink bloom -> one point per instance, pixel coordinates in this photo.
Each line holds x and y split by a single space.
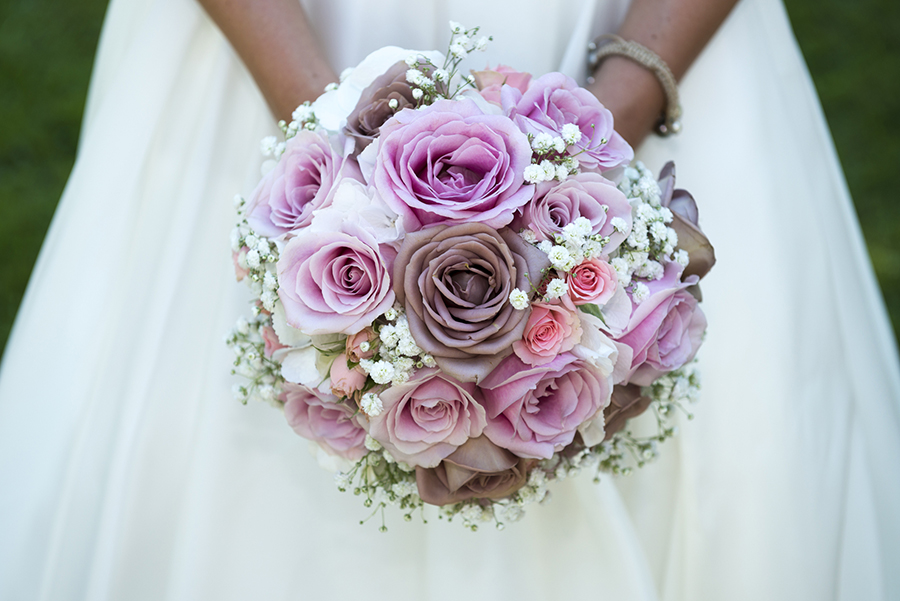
593 281
552 328
345 381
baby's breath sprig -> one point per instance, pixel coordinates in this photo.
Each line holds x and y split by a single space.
257 255
430 82
263 375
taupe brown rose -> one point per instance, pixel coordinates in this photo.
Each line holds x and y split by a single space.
455 283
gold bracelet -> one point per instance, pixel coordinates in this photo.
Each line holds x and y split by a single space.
611 44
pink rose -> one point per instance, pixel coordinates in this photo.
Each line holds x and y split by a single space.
554 100
666 329
587 195
490 81
345 381
535 411
552 328
452 163
427 418
354 343
325 420
271 340
593 281
332 282
303 180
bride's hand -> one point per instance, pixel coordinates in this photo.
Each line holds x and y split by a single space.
676 30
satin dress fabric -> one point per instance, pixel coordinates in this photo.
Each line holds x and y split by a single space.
128 472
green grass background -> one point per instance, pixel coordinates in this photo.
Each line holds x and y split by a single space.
47 48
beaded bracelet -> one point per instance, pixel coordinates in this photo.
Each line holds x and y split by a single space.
611 44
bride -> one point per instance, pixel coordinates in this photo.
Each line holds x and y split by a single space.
128 473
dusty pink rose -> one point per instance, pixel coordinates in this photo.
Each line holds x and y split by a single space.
427 418
588 195
303 180
271 341
535 411
554 100
452 163
333 282
345 381
354 342
593 281
455 284
666 329
324 419
686 223
552 328
490 81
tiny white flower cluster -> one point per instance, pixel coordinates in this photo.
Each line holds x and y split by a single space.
651 243
551 162
430 82
303 117
264 375
257 255
572 247
398 356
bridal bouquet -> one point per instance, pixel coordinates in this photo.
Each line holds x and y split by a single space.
464 290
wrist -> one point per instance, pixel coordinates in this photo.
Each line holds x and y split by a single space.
632 93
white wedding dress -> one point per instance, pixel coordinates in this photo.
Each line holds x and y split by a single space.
128 472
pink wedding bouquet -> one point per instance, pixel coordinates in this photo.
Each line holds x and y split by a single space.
463 289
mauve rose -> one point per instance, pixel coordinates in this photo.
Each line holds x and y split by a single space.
324 419
334 282
535 411
451 163
490 81
353 350
587 195
554 100
479 469
592 281
552 328
665 329
427 418
303 180
373 108
686 223
455 283
345 381
270 341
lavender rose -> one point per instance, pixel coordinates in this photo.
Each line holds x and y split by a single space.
373 108
554 100
450 163
332 282
535 411
455 283
490 81
666 329
303 180
427 418
324 419
587 195
479 469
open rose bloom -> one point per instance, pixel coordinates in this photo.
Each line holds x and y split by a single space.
463 288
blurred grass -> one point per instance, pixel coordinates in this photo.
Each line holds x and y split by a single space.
47 48
46 52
